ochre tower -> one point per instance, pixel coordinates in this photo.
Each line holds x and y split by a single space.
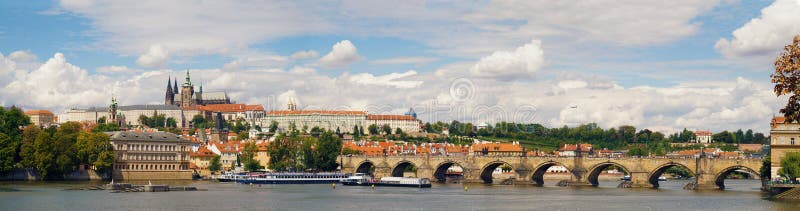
187 93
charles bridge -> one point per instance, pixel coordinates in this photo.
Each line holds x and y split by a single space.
710 173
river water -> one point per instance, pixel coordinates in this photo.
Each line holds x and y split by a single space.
740 195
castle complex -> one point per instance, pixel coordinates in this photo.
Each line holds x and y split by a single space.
186 97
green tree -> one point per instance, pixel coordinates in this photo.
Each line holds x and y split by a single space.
8 149
215 164
373 129
26 149
11 120
101 120
386 129
106 127
248 155
790 166
273 126
328 150
766 168
44 155
95 149
171 122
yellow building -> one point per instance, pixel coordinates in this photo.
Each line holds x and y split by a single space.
263 155
42 118
201 160
785 137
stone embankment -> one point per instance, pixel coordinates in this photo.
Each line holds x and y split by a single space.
33 175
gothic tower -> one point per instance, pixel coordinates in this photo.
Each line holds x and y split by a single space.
291 105
175 88
187 93
200 95
169 99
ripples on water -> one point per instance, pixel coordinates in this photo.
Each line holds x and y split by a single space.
740 195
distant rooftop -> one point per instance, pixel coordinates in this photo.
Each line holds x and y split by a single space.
143 136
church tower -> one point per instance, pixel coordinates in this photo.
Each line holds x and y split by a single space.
187 93
169 98
200 95
291 105
175 88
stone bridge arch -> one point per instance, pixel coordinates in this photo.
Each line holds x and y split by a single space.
652 177
719 178
441 169
540 169
366 166
399 169
594 172
488 169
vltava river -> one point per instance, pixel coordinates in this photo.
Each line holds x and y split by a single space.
741 195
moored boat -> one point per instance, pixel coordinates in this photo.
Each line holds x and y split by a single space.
625 178
366 180
293 178
230 177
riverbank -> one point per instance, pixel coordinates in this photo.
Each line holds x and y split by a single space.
33 175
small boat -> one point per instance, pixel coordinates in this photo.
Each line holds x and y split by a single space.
293 178
360 179
230 177
662 178
625 178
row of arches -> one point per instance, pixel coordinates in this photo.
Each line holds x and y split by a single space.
489 172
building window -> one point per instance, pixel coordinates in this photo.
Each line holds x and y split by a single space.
792 141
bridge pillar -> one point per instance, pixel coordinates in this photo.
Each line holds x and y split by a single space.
705 178
640 180
426 172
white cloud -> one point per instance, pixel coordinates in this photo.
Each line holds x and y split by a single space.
256 60
764 35
390 80
192 27
114 69
716 105
342 54
309 54
23 56
56 82
404 60
507 65
302 70
156 56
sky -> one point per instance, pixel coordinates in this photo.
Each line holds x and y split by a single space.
661 65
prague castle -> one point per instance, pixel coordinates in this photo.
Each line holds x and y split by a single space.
186 97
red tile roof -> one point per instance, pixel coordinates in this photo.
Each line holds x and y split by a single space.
703 133
38 112
574 147
316 112
389 117
202 152
230 108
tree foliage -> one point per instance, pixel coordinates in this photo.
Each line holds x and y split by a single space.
295 152
8 149
248 156
790 166
215 164
787 79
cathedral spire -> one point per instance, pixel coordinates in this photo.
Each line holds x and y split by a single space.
168 98
188 81
175 87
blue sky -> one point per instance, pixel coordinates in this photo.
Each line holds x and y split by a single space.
545 54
